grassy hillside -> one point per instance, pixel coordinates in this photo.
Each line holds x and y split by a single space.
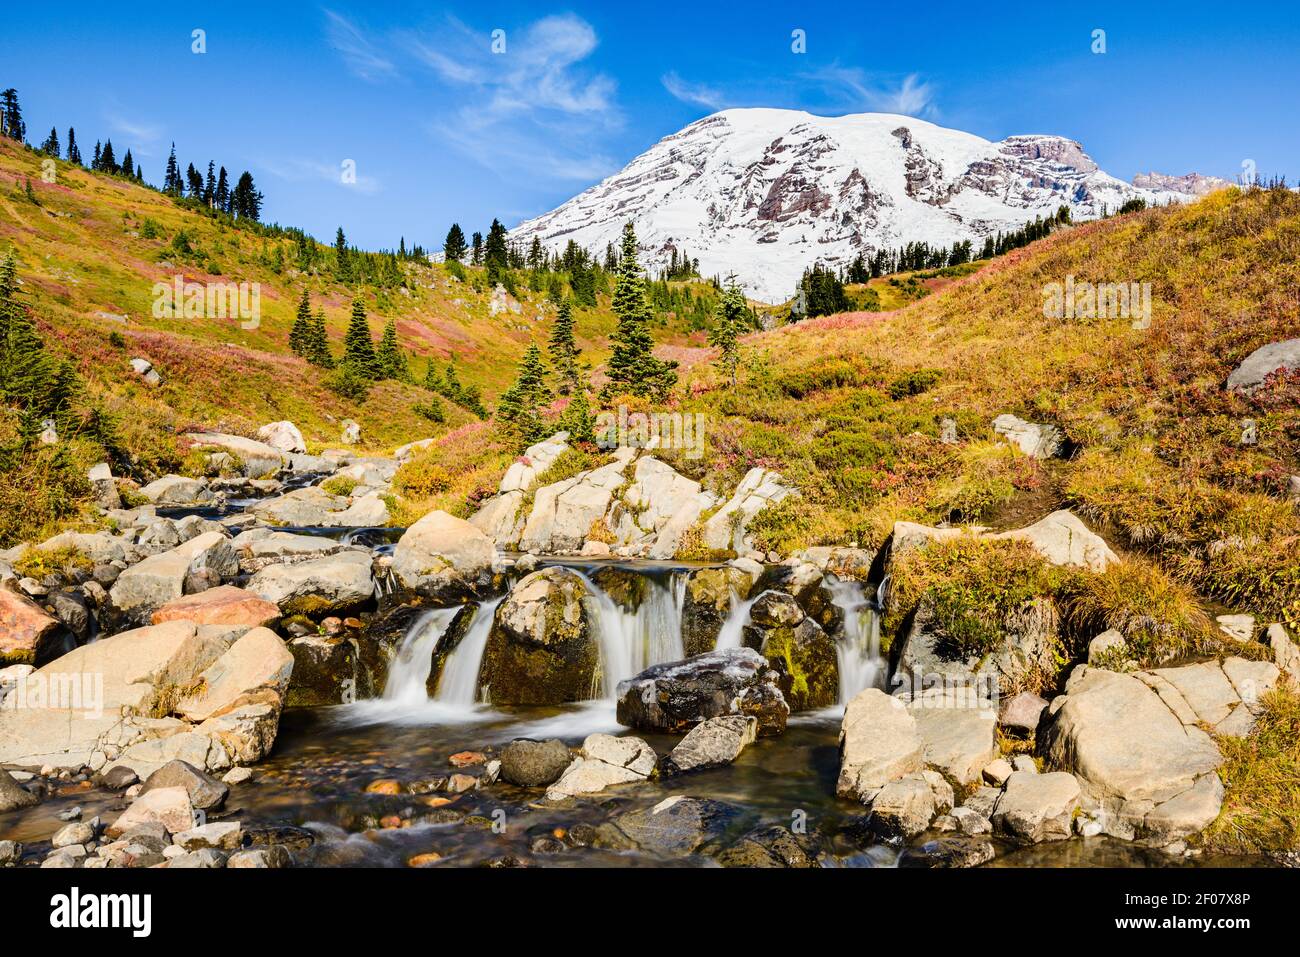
91 248
850 408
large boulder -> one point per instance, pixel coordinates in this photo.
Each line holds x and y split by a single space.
258 458
194 566
543 648
958 732
224 605
12 795
727 529
177 490
564 512
879 744
309 507
255 669
1063 539
283 437
797 648
1263 362
86 695
325 672
605 761
444 558
675 696
327 586
28 635
1037 807
205 792
97 547
1137 745
1025 657
657 496
525 470
501 518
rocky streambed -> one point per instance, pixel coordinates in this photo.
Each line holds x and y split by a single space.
256 672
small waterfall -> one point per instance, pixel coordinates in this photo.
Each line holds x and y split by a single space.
632 641
410 668
459 682
858 649
733 629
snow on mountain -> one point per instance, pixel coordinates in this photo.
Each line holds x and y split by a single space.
765 193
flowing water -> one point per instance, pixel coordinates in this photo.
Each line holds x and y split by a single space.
733 628
858 648
459 682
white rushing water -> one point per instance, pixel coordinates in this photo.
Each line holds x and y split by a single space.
459 682
631 641
732 632
858 649
410 668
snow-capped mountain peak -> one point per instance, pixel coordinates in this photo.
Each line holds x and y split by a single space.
765 193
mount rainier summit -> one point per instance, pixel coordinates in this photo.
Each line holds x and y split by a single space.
765 193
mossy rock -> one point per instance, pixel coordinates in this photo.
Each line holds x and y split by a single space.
542 648
626 588
797 648
707 605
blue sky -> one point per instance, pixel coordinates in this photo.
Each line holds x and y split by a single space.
441 128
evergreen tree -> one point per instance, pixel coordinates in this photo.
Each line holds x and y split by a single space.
11 116
300 334
245 201
342 261
74 152
728 322
94 162
453 247
451 387
522 404
632 365
107 161
51 145
476 250
577 419
359 356
318 343
564 349
172 184
128 164
495 252
433 378
210 185
392 360
194 181
27 373
221 199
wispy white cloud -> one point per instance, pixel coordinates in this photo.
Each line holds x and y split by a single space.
303 170
360 55
141 136
695 93
854 88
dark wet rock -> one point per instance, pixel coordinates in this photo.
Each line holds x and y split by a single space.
534 764
151 836
451 638
547 844
675 696
205 792
952 850
774 846
542 649
119 778
12 794
675 826
325 671
272 835
797 648
72 609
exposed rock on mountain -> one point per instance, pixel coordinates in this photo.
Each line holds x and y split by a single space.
766 193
